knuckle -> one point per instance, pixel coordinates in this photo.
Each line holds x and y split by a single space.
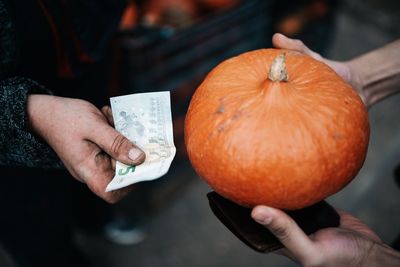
115 196
105 108
281 230
86 105
82 172
100 192
96 177
102 161
316 56
298 43
117 144
110 199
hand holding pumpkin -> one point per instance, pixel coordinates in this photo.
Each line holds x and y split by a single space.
276 127
374 75
342 68
351 244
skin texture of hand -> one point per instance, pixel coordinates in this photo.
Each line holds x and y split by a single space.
84 140
351 244
341 68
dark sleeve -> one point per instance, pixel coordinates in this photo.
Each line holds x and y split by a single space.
85 28
18 146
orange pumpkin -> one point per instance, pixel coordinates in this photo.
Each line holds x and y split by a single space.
277 128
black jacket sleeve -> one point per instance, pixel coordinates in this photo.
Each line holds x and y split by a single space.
18 146
84 30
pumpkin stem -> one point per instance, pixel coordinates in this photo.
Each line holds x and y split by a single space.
278 72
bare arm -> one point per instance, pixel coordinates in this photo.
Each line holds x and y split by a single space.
352 244
374 75
377 72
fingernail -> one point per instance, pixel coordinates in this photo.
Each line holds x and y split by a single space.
135 154
262 217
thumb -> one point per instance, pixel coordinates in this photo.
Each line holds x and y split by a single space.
281 41
287 231
117 146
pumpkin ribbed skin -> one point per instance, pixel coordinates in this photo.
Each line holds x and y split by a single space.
283 144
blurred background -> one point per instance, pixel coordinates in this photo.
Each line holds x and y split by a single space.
168 223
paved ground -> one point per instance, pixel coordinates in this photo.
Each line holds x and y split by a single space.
185 233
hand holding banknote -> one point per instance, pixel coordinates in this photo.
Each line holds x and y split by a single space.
84 141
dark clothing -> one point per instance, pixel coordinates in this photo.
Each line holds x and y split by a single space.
36 223
17 145
47 44
46 47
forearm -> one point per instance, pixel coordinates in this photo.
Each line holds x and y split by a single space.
377 73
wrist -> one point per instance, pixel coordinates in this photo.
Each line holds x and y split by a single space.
348 73
356 81
377 73
38 106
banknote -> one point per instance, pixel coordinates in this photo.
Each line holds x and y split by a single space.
145 119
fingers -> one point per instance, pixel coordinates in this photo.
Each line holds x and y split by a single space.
288 232
97 174
341 68
348 221
107 112
121 148
281 41
113 164
98 186
108 146
116 145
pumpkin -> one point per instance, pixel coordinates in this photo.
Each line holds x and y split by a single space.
276 127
